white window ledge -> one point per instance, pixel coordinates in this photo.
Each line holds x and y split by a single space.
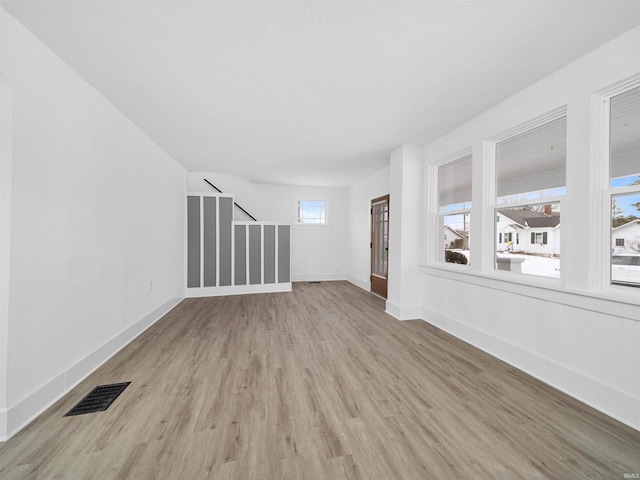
621 304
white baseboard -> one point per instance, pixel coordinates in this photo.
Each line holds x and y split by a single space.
18 416
404 312
363 284
610 401
237 290
318 277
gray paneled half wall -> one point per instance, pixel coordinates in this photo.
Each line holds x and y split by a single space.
233 257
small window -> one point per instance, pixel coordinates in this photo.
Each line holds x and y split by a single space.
539 238
312 212
619 242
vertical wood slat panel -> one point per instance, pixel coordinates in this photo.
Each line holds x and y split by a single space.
284 261
269 254
210 224
193 242
255 254
226 217
240 254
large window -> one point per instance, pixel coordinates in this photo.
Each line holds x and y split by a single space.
530 169
453 217
624 187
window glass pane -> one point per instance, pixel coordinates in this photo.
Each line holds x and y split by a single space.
625 239
528 239
312 211
531 166
624 147
454 185
454 238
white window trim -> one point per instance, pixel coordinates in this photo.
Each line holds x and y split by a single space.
602 115
434 209
491 206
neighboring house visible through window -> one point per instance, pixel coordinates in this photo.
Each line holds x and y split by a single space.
312 212
530 169
624 185
453 216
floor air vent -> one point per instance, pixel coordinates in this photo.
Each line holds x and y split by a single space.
98 399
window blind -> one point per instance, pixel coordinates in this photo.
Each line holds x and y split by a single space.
625 134
532 161
454 182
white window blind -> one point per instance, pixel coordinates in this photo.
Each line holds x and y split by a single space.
454 184
533 161
625 135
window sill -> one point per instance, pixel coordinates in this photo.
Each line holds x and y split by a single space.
304 226
614 301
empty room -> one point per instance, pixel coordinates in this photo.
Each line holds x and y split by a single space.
319 239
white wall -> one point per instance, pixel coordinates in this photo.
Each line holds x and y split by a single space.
573 334
97 217
317 252
6 154
360 196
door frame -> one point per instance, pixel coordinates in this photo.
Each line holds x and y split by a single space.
378 285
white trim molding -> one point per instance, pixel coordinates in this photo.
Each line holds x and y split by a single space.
404 312
237 290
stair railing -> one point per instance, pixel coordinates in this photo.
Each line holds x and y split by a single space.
243 210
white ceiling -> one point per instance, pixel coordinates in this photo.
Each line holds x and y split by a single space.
313 92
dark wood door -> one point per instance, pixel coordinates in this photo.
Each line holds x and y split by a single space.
379 245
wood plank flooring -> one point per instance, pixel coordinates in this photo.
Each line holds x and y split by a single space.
316 384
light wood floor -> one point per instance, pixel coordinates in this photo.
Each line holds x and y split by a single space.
316 384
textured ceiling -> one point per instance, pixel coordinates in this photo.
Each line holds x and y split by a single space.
313 92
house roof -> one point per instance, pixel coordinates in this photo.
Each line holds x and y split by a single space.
531 218
627 224
460 233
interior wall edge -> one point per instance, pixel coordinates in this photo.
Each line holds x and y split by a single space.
15 418
624 407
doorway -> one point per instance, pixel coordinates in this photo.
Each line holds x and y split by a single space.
379 245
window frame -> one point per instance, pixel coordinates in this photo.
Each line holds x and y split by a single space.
608 193
493 206
297 221
434 253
